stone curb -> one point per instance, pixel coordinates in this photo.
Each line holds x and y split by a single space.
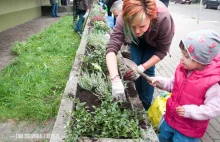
66 105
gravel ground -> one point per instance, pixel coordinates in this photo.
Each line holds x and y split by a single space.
23 131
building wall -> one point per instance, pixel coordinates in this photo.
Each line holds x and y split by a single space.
15 12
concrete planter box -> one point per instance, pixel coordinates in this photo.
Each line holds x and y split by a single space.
67 105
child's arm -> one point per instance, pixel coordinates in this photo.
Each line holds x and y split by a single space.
210 109
167 83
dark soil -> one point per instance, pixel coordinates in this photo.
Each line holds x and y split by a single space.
130 90
88 97
92 100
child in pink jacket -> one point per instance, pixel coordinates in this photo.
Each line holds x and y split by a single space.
195 89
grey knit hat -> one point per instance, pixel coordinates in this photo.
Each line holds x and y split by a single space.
202 46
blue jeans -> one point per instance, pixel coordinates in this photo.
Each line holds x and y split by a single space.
168 134
54 10
79 24
140 54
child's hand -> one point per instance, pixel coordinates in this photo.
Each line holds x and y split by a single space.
180 110
154 81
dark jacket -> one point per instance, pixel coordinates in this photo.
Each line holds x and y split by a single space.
52 2
82 4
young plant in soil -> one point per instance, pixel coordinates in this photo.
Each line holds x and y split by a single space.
97 11
100 27
96 48
106 121
95 83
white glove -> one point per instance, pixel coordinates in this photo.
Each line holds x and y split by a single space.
141 68
87 13
118 90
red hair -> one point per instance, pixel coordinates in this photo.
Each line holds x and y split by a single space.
134 10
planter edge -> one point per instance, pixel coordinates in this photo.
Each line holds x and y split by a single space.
64 114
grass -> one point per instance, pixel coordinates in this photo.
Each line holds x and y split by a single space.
31 86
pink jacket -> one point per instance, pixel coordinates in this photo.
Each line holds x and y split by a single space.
199 93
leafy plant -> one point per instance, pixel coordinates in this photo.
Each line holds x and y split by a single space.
108 121
94 59
97 41
100 26
95 53
97 10
97 18
81 123
95 82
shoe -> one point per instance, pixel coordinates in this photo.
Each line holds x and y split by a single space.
57 16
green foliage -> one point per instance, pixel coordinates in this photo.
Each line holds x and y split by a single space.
97 41
96 53
108 121
99 26
94 59
97 11
79 125
31 86
94 82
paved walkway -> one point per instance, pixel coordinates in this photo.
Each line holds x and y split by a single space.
167 66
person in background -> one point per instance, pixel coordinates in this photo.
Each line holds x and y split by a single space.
116 9
195 89
149 28
54 4
64 2
82 7
109 4
165 2
74 11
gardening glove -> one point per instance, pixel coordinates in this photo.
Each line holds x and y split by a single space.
132 75
87 13
118 90
141 68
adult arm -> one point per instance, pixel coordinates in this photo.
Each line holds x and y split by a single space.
111 61
152 61
165 28
165 34
117 38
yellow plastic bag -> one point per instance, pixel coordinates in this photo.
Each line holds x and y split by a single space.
158 108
